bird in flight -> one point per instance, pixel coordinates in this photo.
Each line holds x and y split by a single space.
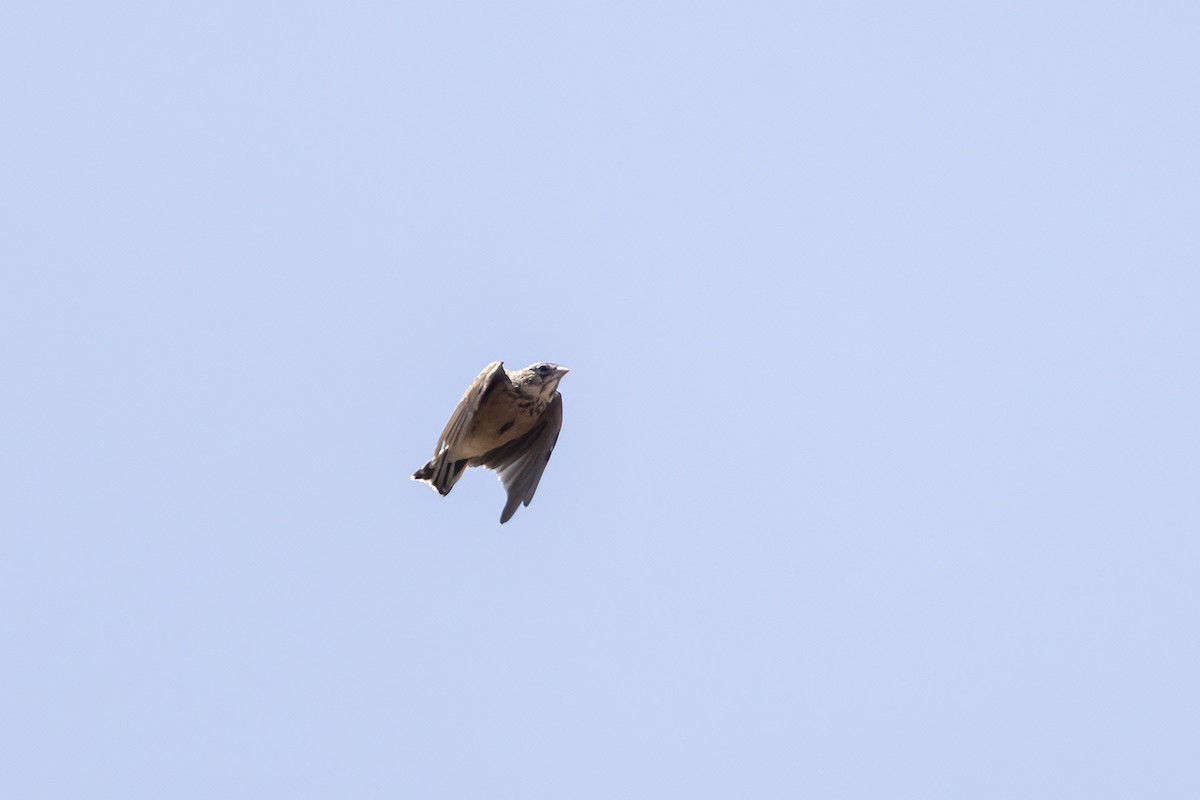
506 421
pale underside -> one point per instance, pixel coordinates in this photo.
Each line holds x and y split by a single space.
487 417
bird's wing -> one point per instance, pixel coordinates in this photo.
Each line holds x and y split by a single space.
493 375
521 462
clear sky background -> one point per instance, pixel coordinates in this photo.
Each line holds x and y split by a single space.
879 471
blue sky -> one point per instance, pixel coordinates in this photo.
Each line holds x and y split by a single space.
879 465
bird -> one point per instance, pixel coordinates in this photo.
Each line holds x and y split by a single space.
506 421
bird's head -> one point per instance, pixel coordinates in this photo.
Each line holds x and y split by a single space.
540 379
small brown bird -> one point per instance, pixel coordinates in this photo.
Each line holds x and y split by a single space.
506 421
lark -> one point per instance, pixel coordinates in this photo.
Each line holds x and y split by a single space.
506 421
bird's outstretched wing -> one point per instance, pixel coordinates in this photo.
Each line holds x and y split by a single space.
460 421
522 461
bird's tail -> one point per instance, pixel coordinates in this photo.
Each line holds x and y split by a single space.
441 473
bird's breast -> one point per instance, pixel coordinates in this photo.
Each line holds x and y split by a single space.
500 419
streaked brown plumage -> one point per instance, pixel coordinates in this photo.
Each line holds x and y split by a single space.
506 421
